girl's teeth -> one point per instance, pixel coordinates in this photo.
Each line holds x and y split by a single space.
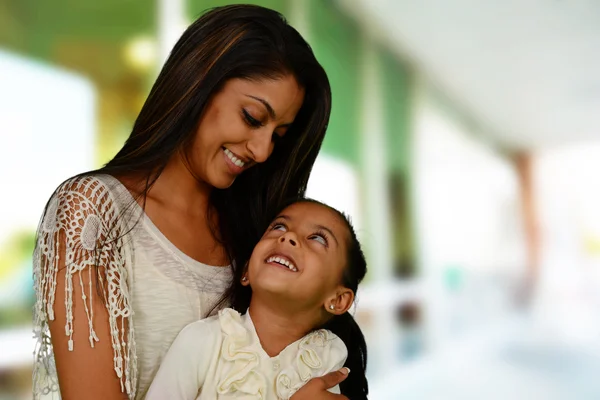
283 262
234 159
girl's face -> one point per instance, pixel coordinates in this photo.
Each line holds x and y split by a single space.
301 257
240 126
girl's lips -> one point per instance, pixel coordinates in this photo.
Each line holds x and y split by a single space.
282 260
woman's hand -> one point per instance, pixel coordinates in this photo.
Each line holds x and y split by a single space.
316 388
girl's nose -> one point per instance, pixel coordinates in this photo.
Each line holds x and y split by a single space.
289 238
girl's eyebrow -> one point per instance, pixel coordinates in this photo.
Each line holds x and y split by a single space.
324 228
317 227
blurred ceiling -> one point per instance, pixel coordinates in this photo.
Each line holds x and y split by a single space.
529 71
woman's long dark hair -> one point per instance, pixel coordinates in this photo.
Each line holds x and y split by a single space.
355 387
236 41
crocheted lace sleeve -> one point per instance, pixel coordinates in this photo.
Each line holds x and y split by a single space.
82 222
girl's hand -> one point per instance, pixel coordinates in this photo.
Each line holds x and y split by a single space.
316 388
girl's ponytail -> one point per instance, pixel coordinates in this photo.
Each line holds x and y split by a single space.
355 387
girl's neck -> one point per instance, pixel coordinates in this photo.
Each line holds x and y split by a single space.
278 328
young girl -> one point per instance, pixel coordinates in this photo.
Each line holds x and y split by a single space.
303 276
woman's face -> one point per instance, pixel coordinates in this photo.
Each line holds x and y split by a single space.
240 127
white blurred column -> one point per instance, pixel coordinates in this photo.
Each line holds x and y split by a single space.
299 17
375 195
430 133
47 134
172 22
374 164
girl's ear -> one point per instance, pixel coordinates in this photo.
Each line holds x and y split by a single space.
340 302
245 281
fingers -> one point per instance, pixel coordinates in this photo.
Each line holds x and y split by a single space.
334 378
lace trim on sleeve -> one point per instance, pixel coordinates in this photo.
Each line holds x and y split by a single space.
84 211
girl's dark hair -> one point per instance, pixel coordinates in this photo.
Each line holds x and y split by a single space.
355 387
235 41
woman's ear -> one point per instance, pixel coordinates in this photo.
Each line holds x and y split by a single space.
340 302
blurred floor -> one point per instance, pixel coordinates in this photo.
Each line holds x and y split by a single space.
521 356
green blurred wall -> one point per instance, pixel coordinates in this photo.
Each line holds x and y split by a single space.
197 7
334 38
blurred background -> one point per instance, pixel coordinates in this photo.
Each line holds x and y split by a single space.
464 141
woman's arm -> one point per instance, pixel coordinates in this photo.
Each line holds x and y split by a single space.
82 300
85 372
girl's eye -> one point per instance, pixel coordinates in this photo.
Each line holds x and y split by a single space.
250 120
278 227
319 238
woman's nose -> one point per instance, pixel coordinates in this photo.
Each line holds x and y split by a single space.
260 146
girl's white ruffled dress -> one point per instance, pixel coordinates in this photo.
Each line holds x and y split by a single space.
221 358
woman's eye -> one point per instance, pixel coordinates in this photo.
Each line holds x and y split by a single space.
250 120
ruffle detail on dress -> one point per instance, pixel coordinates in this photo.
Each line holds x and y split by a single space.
242 360
312 350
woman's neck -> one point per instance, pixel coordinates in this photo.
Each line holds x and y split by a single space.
278 328
180 189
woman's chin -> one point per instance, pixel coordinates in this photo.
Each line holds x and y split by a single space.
223 179
223 185
222 182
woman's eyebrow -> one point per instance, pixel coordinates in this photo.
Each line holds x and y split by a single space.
265 103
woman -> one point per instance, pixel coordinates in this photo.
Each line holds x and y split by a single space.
129 254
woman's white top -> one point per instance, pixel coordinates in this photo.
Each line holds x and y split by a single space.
221 358
150 285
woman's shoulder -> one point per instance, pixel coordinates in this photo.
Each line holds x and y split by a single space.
95 188
95 196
